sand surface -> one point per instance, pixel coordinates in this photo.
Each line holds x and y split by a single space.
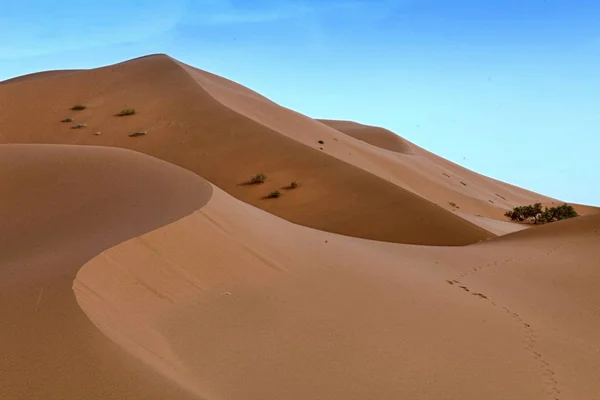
147 267
234 303
60 207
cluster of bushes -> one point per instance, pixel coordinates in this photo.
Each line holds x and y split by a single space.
535 214
261 178
122 113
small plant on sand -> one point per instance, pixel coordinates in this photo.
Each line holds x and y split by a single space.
78 107
79 126
140 133
67 120
453 204
274 195
321 142
534 213
126 111
258 178
293 185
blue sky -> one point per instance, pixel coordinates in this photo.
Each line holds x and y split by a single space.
508 88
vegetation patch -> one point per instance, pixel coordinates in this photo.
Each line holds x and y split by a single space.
274 195
321 142
141 133
78 107
126 111
534 214
258 178
453 204
293 185
79 126
67 120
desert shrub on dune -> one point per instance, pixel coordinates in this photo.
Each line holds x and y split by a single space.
79 126
78 107
534 214
274 195
134 134
258 178
561 212
67 120
293 185
126 111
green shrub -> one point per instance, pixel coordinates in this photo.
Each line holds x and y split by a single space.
67 120
293 185
126 111
534 213
134 134
78 107
79 126
274 195
258 178
559 213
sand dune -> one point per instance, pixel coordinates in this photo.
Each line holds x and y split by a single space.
234 303
412 168
202 126
125 276
61 206
188 127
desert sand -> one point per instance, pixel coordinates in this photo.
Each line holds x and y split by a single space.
148 268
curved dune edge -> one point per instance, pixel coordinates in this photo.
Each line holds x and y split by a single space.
233 303
61 206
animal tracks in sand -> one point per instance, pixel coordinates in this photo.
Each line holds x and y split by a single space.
549 378
529 342
545 253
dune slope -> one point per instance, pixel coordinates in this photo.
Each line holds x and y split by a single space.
378 137
479 198
235 304
547 278
238 304
188 127
60 207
